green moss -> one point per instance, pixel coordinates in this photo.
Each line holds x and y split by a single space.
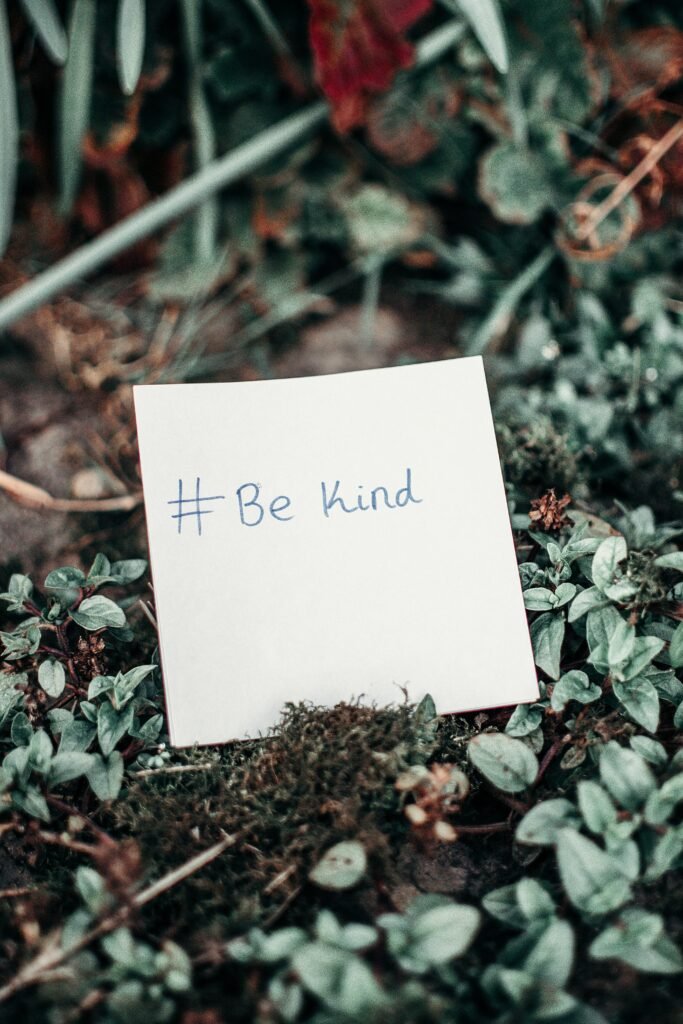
323 776
536 456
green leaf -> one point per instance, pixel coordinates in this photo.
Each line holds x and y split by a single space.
550 959
674 560
433 931
378 220
25 640
596 807
32 802
547 634
573 685
650 749
67 766
338 978
99 685
586 601
40 751
128 571
106 775
524 720
590 877
665 852
65 577
100 570
564 594
515 183
341 867
638 939
91 889
506 762
606 560
21 731
9 131
662 803
487 24
120 947
641 700
539 599
19 591
626 775
676 647
76 735
126 685
130 43
51 677
75 97
600 627
621 643
45 21
443 933
541 825
10 696
645 649
112 725
525 902
97 612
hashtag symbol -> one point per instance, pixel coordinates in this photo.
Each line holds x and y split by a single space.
195 506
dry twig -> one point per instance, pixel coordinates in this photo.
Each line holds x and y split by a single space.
35 497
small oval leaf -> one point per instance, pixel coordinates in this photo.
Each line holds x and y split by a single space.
342 866
506 762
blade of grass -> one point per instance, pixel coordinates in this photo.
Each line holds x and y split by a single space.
499 317
48 27
130 43
486 22
206 219
9 131
75 98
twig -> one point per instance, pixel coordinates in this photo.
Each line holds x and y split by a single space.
35 497
481 830
280 879
279 911
174 769
19 890
627 185
148 612
54 956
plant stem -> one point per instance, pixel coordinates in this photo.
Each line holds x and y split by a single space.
373 281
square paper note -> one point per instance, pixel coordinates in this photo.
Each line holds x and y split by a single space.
324 537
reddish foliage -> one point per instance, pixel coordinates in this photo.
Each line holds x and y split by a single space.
358 46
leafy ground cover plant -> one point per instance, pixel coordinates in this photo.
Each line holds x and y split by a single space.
285 879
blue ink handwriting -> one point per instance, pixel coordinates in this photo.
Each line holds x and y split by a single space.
196 511
253 508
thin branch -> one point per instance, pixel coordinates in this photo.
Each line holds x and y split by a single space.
631 181
174 769
482 830
35 497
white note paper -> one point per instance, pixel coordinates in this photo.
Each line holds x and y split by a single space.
324 538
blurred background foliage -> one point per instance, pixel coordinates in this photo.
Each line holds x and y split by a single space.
519 197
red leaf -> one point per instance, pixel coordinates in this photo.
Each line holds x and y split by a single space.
358 47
